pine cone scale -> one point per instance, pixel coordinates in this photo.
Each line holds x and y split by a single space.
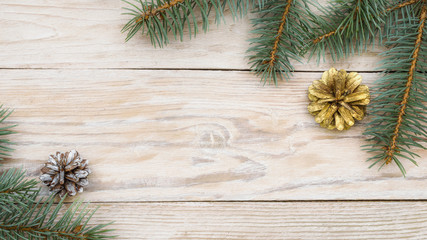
81 173
71 177
320 85
46 177
83 182
339 122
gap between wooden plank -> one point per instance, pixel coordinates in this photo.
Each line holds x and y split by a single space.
173 69
261 201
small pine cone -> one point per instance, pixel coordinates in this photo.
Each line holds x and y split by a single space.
65 173
338 99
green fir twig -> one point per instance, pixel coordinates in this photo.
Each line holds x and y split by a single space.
399 111
42 220
15 190
347 28
281 27
159 18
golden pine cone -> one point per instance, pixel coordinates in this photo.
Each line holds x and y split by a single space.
338 99
65 173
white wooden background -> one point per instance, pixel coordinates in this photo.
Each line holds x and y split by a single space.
184 142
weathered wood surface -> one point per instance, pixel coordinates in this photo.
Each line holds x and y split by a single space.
195 135
169 125
274 220
86 34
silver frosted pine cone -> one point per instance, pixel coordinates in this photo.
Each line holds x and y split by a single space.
65 173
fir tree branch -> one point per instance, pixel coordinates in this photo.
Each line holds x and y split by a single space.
156 11
281 28
401 5
391 149
160 17
347 27
326 35
335 31
399 111
46 230
23 217
41 220
15 190
400 17
338 29
274 50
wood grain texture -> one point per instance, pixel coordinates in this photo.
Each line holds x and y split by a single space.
169 134
86 34
260 220
194 135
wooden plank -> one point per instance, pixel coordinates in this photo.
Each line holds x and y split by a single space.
194 135
259 220
86 34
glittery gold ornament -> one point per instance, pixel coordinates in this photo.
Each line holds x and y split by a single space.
338 99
